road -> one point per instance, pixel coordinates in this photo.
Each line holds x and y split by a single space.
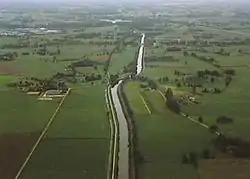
123 154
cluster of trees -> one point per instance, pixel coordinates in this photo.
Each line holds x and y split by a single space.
190 158
44 51
173 49
152 84
15 46
179 73
39 85
203 73
113 79
8 56
149 83
85 63
211 90
234 146
203 58
229 72
193 158
163 79
224 120
25 53
92 77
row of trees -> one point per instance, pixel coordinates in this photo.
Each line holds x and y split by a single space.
160 59
172 103
8 56
39 85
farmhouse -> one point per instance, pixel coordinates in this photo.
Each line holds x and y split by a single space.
53 94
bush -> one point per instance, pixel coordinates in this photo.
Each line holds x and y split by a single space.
213 128
178 85
25 53
229 72
173 105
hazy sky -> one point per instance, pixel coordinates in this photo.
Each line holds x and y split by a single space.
82 1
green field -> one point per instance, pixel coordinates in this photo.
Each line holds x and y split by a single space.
77 139
118 61
164 137
22 119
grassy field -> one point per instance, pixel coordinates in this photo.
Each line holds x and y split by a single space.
22 120
233 102
163 137
43 66
120 60
77 143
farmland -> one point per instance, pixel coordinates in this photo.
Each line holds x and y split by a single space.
163 137
186 110
78 134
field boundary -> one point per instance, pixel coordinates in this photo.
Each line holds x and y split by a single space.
145 103
128 113
112 172
191 118
42 135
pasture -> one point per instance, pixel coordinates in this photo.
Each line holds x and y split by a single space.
164 137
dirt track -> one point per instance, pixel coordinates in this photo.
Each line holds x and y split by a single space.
8 69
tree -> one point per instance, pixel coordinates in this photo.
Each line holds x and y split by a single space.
185 159
58 51
228 80
222 50
169 94
200 119
173 105
185 53
193 158
152 84
212 79
15 54
201 73
54 59
194 89
206 154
